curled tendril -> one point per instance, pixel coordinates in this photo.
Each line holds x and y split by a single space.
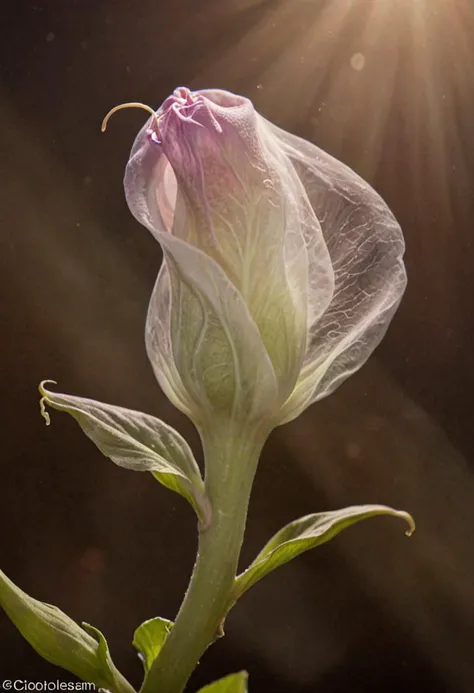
130 104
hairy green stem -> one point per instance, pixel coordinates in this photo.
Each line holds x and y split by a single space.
231 463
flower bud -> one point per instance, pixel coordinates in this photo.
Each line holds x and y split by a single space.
281 268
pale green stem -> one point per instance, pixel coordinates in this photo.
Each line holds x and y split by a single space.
230 469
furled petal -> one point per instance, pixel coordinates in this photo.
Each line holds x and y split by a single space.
242 203
204 346
213 186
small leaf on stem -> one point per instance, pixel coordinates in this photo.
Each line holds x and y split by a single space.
235 683
307 533
136 441
149 638
60 640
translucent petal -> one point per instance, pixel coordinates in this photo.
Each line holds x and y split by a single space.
366 247
307 261
158 343
152 207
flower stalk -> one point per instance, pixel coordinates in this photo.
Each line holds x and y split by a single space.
231 463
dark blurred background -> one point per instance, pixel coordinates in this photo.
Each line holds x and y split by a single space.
387 86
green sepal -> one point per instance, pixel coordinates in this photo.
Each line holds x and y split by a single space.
149 638
235 683
136 441
60 640
304 534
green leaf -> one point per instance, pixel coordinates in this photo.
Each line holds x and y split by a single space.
136 441
307 533
60 640
235 683
149 638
